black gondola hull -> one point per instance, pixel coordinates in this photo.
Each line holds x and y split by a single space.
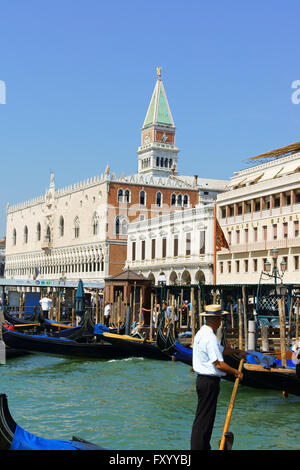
61 346
285 381
266 379
136 347
10 433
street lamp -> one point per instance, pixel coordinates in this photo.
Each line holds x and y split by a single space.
265 299
283 266
275 273
267 266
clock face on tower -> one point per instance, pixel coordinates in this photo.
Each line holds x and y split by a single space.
147 138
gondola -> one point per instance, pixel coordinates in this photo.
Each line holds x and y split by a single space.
270 377
84 330
62 346
20 322
13 437
135 346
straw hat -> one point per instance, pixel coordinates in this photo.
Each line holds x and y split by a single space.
213 310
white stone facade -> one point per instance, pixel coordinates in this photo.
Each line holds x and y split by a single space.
260 212
177 247
62 233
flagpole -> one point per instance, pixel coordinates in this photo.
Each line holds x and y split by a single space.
215 245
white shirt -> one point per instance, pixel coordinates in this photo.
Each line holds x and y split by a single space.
45 303
206 350
107 310
296 350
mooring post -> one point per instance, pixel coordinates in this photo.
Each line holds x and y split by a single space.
240 324
265 338
251 335
128 320
151 316
245 317
281 306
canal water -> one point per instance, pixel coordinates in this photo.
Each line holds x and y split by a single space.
138 404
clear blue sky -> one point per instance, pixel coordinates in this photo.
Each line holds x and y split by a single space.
79 77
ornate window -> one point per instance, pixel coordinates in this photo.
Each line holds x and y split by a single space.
121 225
76 227
120 195
142 198
173 200
61 226
95 224
175 246
179 200
48 234
158 199
38 232
127 195
185 200
25 234
14 237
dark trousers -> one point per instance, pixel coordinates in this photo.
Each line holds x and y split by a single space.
43 314
208 389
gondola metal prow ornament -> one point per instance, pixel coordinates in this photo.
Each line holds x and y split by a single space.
230 408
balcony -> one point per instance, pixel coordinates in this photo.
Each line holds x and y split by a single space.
46 245
260 215
264 245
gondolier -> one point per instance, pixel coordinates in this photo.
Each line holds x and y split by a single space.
107 312
209 364
45 307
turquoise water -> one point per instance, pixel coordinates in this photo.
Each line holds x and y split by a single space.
138 404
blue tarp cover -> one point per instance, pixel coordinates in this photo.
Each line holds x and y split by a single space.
267 361
99 329
185 354
24 440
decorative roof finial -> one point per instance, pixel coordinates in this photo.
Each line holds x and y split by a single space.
52 184
158 71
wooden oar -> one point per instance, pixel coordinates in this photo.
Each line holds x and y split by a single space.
230 408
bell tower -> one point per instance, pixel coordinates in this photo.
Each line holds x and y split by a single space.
158 154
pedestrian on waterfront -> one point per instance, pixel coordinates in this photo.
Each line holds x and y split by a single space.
168 315
209 364
45 303
107 313
161 319
156 311
185 313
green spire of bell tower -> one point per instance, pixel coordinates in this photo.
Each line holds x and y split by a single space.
159 111
158 152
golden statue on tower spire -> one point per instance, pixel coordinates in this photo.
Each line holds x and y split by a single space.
158 71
